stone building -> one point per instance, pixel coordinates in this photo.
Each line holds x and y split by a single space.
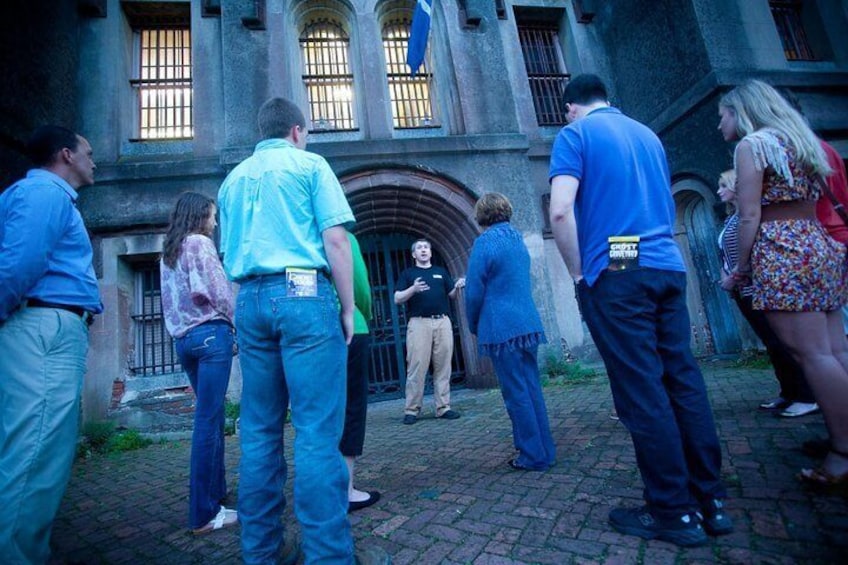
167 94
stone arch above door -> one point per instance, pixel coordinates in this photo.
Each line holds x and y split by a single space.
417 202
422 204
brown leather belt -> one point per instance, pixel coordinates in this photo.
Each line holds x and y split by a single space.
794 210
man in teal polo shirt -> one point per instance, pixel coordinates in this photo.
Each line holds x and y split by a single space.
284 220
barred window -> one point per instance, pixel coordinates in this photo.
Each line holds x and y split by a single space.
154 348
543 60
163 83
325 46
787 17
411 97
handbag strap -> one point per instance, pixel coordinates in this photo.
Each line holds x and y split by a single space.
837 205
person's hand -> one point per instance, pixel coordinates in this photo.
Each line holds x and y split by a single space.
420 285
742 275
460 283
347 326
727 281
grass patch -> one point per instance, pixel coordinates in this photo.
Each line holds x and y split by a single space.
232 411
103 437
562 371
753 359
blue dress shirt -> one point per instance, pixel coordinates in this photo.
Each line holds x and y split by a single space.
45 251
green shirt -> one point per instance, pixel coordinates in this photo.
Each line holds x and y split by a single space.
361 289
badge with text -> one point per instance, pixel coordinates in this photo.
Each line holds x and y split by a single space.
301 282
623 252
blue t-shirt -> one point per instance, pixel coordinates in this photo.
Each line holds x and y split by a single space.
625 189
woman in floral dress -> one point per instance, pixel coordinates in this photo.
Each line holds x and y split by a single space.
798 272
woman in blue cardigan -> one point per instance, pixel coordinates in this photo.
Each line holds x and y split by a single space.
502 314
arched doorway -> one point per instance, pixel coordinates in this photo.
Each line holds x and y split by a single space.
713 324
393 208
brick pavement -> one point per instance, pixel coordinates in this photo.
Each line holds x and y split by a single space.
449 497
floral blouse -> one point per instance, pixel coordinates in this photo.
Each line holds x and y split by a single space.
196 290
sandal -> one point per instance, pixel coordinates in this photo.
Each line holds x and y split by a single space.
224 518
821 477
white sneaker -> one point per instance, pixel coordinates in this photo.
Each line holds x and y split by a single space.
775 403
797 409
224 518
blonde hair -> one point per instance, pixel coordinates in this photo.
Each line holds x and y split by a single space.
758 105
729 178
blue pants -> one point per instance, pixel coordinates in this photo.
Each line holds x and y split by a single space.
206 354
42 363
640 325
292 349
518 374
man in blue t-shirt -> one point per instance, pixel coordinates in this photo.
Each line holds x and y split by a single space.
612 215
426 290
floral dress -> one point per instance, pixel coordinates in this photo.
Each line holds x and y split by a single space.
797 266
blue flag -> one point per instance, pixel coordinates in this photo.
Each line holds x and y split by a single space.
418 35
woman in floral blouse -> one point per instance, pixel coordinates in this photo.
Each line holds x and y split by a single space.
197 304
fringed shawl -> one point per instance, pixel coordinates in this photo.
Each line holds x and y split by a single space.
769 150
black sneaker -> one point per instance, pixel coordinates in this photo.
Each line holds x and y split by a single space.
715 520
410 419
685 530
450 415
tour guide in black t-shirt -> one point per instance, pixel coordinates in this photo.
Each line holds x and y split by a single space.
429 334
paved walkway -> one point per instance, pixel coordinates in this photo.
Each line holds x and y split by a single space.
449 497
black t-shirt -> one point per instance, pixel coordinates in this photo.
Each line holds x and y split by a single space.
431 302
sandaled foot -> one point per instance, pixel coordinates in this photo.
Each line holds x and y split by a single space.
822 476
224 518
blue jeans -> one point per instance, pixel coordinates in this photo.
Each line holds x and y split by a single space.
518 374
42 363
640 325
292 349
206 354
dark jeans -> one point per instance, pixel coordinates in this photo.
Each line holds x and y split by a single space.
640 325
356 410
793 385
206 354
518 374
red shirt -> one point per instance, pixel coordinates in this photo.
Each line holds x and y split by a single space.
838 183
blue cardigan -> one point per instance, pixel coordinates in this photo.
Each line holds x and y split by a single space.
498 302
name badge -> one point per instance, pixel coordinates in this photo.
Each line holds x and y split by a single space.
623 252
301 282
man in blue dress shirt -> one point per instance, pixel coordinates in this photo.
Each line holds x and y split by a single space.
48 297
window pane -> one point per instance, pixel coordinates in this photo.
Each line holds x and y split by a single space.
154 349
327 76
787 19
410 96
164 84
540 48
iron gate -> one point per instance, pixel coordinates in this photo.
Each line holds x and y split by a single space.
386 256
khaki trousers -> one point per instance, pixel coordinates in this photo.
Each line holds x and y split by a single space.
428 339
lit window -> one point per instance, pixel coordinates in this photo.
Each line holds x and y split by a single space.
543 61
410 96
163 83
327 76
787 18
154 348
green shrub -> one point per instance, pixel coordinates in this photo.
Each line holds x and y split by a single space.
126 440
97 434
562 370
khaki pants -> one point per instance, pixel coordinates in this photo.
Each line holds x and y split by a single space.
428 339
